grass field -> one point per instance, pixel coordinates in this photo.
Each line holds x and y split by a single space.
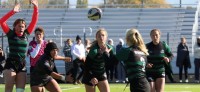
175 87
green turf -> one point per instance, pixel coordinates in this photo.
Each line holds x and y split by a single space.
120 87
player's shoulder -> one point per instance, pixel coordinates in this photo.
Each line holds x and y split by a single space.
149 44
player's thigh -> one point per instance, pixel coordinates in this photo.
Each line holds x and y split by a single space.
21 80
53 86
37 89
152 86
160 84
9 76
89 88
103 86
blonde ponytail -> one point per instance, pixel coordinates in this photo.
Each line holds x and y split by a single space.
133 37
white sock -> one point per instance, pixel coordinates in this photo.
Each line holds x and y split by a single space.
19 90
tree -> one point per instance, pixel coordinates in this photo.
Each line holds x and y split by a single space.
158 3
56 2
147 3
82 3
24 3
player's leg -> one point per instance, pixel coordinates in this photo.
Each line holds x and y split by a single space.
180 73
20 81
160 84
186 73
9 77
53 86
196 64
37 89
152 86
103 86
89 88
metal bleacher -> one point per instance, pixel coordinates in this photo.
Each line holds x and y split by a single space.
173 23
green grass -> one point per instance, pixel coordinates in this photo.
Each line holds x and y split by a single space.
120 87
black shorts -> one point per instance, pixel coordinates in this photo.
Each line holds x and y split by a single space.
31 69
151 77
15 65
39 81
87 78
139 85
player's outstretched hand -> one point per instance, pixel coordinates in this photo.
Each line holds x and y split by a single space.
69 78
17 8
94 81
67 59
34 2
149 65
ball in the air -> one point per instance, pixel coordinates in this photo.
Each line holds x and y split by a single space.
94 14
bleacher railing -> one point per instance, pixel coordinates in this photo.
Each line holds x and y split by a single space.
195 27
58 35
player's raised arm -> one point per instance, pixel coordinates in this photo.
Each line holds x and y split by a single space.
34 16
3 20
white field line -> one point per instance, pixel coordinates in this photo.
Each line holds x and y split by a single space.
70 88
178 91
184 87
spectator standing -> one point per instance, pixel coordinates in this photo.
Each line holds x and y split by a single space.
110 66
78 52
119 70
183 59
67 52
87 46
